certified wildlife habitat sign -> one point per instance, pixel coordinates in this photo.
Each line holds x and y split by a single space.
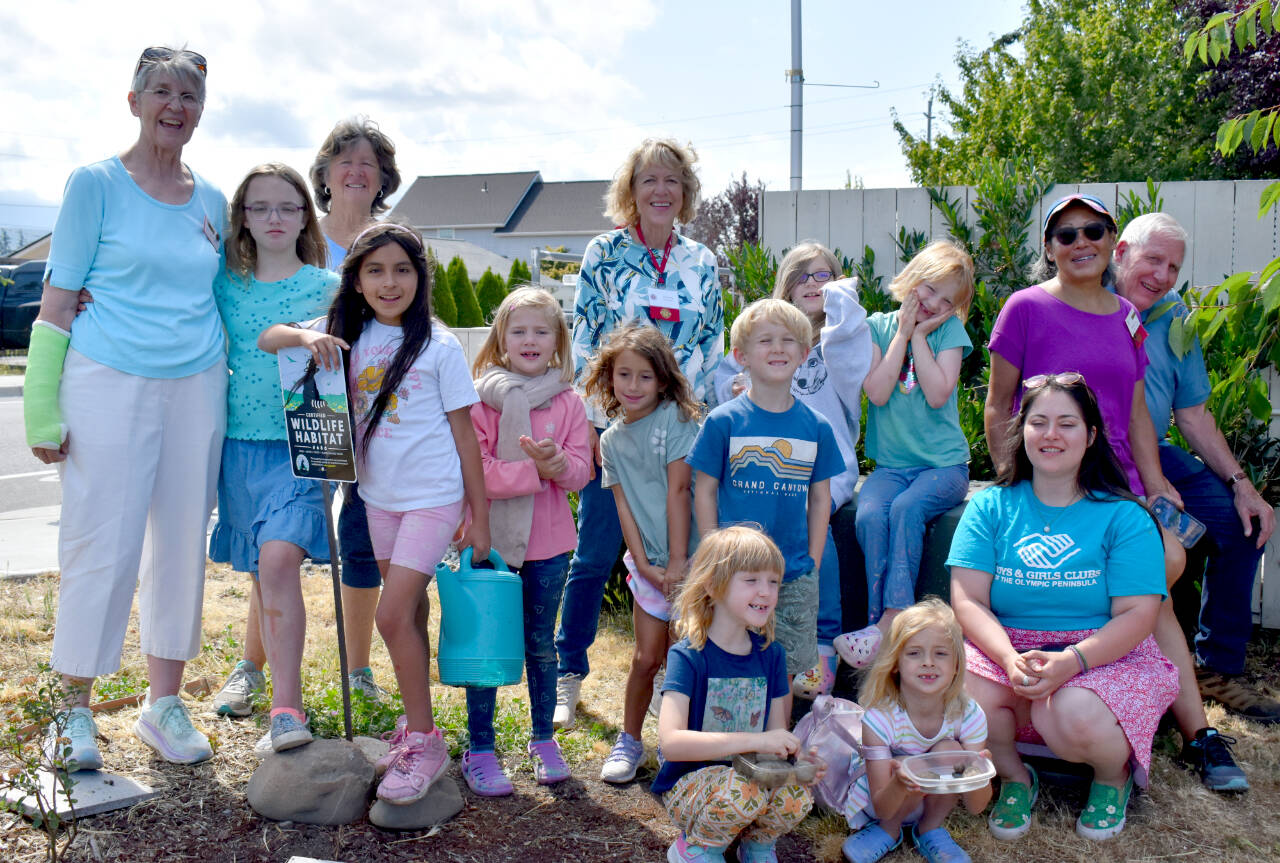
316 418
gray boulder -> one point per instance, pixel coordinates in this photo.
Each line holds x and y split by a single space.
442 802
324 782
372 747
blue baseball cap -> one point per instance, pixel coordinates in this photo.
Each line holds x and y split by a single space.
1093 202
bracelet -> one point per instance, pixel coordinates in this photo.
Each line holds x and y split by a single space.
1084 666
1236 477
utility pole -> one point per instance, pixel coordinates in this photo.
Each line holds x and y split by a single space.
796 75
928 115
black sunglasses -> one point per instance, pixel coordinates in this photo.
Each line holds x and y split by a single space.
160 54
1093 231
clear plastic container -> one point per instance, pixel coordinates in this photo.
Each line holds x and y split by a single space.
770 771
948 772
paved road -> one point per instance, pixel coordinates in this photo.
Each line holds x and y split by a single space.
30 497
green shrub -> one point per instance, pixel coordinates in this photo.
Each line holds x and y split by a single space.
442 302
464 295
519 275
489 292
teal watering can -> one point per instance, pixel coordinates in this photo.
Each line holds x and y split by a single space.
481 624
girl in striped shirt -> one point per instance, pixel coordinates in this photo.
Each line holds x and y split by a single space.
916 703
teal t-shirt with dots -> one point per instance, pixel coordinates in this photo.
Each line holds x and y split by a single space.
248 307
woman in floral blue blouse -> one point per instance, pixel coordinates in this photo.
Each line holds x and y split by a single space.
643 271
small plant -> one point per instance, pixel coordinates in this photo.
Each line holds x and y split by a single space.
368 717
120 685
27 764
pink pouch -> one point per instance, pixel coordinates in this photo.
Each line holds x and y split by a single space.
834 728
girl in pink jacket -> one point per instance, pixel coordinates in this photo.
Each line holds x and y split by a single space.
532 430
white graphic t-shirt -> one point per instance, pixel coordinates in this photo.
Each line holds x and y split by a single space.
1056 569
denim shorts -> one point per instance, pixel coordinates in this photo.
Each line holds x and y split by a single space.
260 500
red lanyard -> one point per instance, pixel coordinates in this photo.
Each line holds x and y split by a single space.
666 253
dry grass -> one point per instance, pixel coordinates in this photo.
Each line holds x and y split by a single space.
202 813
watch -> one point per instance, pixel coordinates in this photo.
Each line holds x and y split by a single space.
1235 478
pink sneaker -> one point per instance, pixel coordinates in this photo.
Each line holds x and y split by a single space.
548 762
395 739
420 760
484 774
858 648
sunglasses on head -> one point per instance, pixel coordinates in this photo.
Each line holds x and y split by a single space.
160 54
1093 231
1063 379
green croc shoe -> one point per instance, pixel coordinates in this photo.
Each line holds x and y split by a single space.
1010 818
1103 816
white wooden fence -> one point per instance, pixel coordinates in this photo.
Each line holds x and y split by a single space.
1222 217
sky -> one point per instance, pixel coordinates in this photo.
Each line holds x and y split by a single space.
563 87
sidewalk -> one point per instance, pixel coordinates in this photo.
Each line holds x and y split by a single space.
11 385
29 541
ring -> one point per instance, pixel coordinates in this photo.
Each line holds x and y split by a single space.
1026 681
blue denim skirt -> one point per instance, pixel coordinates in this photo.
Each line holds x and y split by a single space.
260 500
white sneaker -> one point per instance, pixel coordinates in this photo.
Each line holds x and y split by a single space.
76 748
166 727
624 758
567 688
242 689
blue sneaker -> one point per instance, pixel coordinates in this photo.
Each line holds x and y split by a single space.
682 852
757 852
288 733
1209 753
75 746
937 846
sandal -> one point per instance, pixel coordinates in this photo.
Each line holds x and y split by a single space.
484 774
869 844
818 680
859 648
1011 816
1104 814
549 766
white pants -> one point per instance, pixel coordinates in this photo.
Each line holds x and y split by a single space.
138 484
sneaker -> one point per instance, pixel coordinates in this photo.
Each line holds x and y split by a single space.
655 700
682 852
757 852
548 762
937 846
394 739
1236 697
818 680
484 774
166 727
76 748
626 755
869 844
361 680
858 648
242 689
1011 816
420 760
567 688
287 732
1104 814
1209 753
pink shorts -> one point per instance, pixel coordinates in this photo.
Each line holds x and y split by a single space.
650 599
416 539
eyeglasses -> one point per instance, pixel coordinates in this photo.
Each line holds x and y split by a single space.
159 54
1062 379
167 96
1093 231
261 212
819 277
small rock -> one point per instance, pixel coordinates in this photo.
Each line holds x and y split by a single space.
324 782
372 747
442 802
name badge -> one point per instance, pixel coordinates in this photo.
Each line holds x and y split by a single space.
210 233
1137 331
664 304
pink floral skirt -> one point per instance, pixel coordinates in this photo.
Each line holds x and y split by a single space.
1138 687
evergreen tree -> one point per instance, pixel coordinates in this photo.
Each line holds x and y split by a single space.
519 275
489 291
442 303
464 295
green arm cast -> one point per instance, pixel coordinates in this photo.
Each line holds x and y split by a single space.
45 354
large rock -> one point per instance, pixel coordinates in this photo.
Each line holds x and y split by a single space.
372 747
442 802
324 782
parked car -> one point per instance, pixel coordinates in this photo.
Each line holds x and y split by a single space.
20 287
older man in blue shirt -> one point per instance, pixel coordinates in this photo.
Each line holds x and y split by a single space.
1214 488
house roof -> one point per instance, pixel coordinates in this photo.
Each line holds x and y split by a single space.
464 200
476 258
574 207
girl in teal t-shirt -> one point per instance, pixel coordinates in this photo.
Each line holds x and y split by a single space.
913 433
268 520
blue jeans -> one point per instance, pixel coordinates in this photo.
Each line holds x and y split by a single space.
543 581
894 506
359 568
1226 598
829 624
599 543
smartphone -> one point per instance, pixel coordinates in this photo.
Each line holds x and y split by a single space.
1187 528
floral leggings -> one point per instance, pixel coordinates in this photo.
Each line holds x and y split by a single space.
713 805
